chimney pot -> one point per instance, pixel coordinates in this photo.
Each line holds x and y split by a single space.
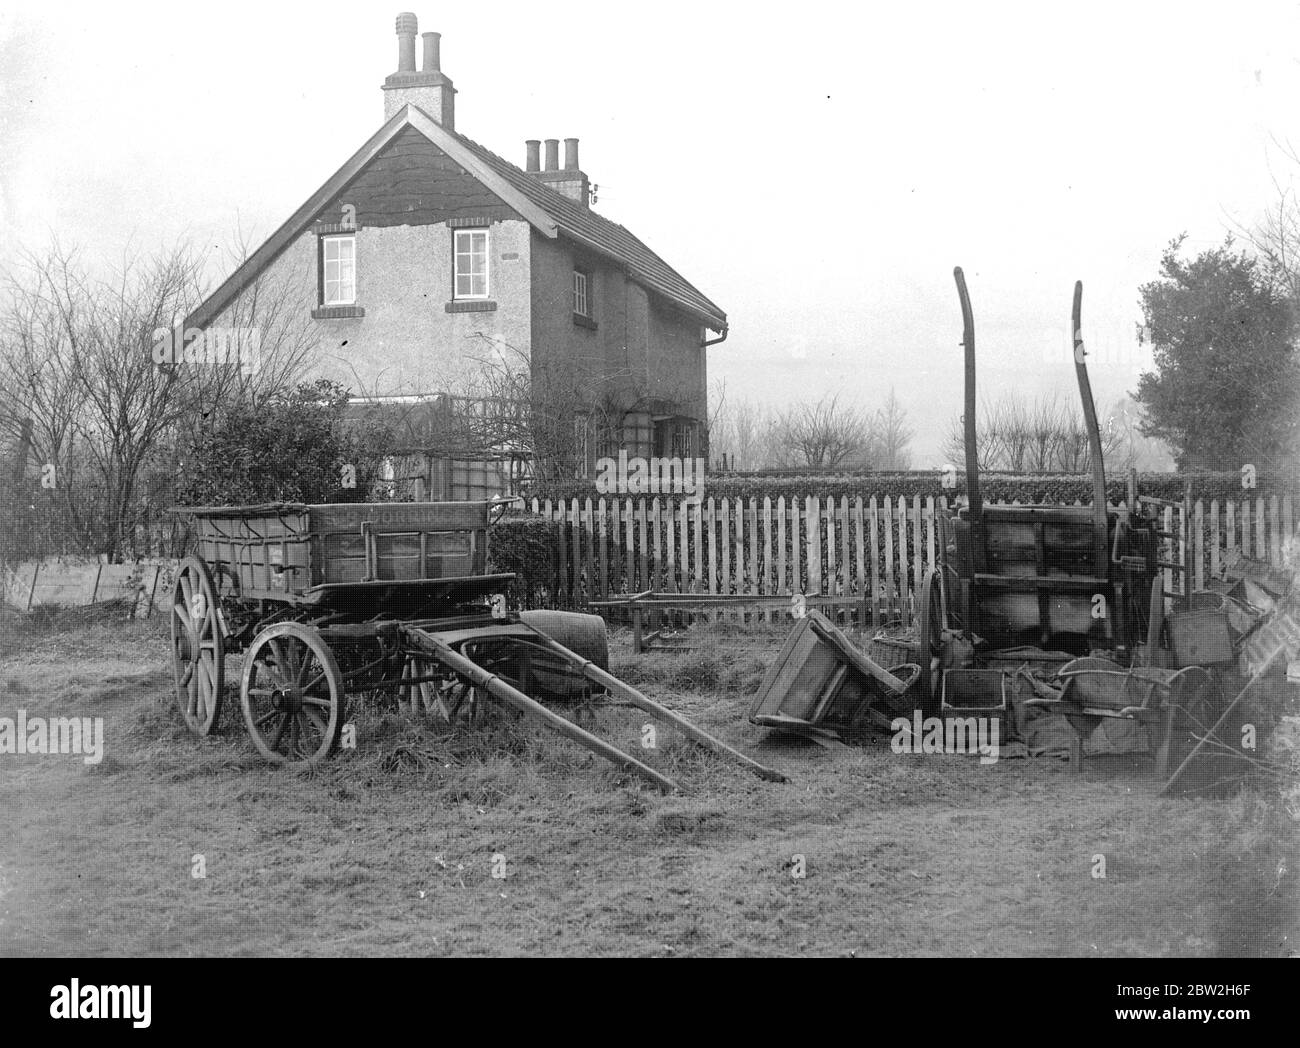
571 154
432 59
534 147
552 154
407 26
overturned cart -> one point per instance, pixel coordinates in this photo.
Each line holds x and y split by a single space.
323 600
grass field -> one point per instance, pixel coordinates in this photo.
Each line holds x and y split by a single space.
392 848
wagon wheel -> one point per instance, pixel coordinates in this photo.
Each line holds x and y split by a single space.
1194 708
198 647
930 627
292 693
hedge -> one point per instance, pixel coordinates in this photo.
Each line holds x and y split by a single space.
994 487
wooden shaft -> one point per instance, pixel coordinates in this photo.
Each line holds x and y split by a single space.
625 691
976 510
512 696
1094 433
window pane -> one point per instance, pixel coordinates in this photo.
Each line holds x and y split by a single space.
471 274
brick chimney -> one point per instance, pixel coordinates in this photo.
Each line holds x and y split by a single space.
428 89
569 179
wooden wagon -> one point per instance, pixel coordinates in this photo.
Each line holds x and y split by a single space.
1083 580
326 599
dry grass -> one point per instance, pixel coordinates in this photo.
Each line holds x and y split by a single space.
389 849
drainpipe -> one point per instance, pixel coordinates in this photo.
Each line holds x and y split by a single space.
715 341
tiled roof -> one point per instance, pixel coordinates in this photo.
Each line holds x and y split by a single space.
606 236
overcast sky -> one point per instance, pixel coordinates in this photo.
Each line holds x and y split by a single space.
816 169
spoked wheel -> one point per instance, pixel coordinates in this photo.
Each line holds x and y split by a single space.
1195 704
930 627
292 693
198 648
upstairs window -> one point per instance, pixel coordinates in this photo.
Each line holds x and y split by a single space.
581 303
338 271
471 250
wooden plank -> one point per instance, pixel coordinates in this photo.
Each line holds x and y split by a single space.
861 583
724 539
812 525
712 521
846 556
827 509
887 525
643 550
575 548
615 528
931 530
917 565
697 530
1214 538
752 512
767 553
602 536
780 545
1261 538
656 547
1198 544
739 546
1275 533
629 548
874 553
686 545
796 549
670 543
1168 524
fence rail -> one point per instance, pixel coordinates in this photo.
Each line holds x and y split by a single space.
872 553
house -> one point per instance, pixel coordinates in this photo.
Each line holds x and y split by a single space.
426 254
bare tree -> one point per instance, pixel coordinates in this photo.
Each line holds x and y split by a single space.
94 361
895 434
1042 435
823 435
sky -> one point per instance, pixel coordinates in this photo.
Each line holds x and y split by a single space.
817 170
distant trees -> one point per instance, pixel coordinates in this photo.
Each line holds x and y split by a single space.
822 434
894 435
79 358
1226 388
1031 436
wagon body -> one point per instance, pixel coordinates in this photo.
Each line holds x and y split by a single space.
1047 576
283 551
374 597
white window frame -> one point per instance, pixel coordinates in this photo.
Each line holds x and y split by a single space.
341 285
469 253
581 293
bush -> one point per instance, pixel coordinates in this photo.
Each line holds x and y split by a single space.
528 546
994 487
290 449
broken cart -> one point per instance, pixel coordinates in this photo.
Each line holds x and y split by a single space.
323 600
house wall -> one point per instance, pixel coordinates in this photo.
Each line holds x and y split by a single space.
639 346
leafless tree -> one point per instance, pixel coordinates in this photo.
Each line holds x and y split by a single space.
79 354
823 434
894 433
1037 436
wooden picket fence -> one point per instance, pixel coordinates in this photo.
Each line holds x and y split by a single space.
871 552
